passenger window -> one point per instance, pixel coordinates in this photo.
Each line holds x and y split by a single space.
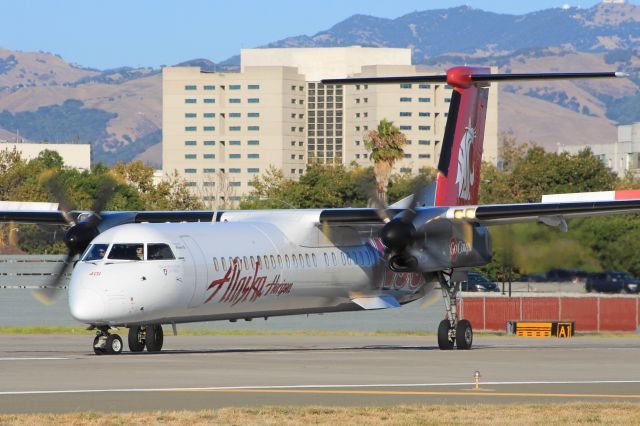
335 262
273 261
253 262
215 263
224 263
96 252
286 260
159 252
127 252
301 259
266 262
306 256
313 256
246 263
279 261
295 261
326 260
344 258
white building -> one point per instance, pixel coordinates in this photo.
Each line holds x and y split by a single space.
77 156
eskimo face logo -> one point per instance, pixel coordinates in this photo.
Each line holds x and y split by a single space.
465 176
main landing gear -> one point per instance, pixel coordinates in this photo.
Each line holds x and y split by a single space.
451 330
140 336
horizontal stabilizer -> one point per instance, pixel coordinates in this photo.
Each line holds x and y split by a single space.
376 302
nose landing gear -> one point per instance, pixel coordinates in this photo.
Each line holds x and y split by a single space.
107 344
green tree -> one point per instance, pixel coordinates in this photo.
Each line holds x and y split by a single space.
385 145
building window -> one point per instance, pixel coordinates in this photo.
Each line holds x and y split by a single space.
234 142
234 128
235 198
209 143
234 170
405 127
424 127
424 142
209 156
253 155
253 86
405 114
190 115
190 156
189 101
407 155
234 100
253 170
253 142
209 128
409 142
234 183
447 99
424 114
253 100
234 115
253 128
209 87
191 184
234 87
190 143
189 170
405 170
424 86
190 87
208 170
405 99
424 99
209 101
208 183
253 115
405 85
209 115
234 155
190 128
424 156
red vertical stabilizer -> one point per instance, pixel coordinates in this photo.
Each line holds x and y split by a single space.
461 153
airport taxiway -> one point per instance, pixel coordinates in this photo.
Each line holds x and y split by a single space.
60 373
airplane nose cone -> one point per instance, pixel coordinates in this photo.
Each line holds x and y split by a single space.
86 306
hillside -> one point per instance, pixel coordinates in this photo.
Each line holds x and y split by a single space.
119 111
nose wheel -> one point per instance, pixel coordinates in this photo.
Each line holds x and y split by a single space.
107 344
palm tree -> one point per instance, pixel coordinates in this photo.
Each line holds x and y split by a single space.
385 145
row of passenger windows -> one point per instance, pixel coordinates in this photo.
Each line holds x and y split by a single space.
358 257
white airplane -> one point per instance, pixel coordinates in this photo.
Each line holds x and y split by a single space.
144 269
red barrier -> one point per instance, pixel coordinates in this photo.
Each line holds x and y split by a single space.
590 313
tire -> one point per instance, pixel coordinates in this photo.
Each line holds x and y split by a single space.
97 350
135 343
155 338
443 336
113 345
464 335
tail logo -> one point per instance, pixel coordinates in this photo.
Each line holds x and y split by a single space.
465 177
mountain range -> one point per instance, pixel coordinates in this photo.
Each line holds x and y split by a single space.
45 98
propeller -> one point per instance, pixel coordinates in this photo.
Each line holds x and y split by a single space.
83 228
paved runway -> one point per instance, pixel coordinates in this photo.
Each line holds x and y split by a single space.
61 374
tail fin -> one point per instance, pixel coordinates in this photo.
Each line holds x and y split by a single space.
461 153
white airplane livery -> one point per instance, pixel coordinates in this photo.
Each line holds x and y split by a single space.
143 270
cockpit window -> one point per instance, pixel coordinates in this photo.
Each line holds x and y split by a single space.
95 252
127 252
159 252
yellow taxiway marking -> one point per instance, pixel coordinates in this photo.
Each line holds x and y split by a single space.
443 393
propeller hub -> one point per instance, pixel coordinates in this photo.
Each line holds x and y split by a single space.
397 234
79 236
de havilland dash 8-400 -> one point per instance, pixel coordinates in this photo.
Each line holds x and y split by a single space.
144 269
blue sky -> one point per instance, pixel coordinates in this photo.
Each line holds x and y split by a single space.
108 34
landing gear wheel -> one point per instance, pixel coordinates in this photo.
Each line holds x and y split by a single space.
113 345
464 335
445 342
136 338
97 349
155 338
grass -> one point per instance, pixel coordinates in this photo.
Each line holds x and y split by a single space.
478 414
45 329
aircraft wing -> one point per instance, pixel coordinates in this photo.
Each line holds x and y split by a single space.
58 217
552 214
